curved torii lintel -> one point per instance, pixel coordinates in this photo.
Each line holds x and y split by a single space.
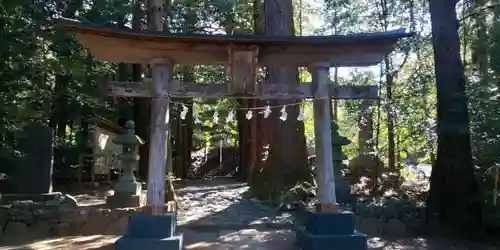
130 46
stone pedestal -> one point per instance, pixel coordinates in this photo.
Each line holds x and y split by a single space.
152 232
130 188
127 194
327 231
126 200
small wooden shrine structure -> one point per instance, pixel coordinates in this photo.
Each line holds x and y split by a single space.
101 156
242 55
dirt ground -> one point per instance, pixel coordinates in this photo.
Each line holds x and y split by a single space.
219 203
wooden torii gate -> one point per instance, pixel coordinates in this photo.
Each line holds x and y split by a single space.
242 55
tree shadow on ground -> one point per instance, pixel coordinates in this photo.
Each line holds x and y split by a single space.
241 224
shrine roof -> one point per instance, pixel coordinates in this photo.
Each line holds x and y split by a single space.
132 46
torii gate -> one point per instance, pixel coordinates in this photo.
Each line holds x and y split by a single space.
242 54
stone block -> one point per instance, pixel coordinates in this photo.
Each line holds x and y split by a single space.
308 241
134 243
42 197
327 230
152 226
343 191
329 223
119 201
128 188
151 232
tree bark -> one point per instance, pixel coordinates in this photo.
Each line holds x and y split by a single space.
243 142
142 106
288 147
59 120
453 197
365 128
391 144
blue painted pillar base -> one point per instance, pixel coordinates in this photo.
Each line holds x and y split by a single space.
327 231
151 232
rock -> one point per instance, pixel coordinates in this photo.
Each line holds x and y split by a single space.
97 221
24 215
40 229
15 229
370 226
254 200
395 227
69 201
119 226
62 229
22 204
30 219
4 217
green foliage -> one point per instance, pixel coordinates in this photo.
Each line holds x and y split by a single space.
48 78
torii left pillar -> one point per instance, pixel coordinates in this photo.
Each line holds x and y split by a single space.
155 228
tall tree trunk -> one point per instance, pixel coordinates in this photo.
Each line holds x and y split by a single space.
288 147
480 47
454 190
185 127
59 120
391 144
243 142
247 129
123 74
365 128
142 106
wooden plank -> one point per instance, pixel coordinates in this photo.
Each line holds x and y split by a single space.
242 69
139 46
264 91
133 51
323 139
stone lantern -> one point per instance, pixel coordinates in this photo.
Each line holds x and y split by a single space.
218 139
128 192
342 186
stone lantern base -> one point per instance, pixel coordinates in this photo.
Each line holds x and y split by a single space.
127 194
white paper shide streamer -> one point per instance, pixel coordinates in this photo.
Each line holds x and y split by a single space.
196 116
184 112
230 116
300 117
249 115
215 118
284 115
267 111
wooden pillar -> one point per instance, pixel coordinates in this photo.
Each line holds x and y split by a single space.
162 73
159 123
323 139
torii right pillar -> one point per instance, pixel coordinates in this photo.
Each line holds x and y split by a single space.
328 227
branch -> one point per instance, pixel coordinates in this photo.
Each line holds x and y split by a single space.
477 10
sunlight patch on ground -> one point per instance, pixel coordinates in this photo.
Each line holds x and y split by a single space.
69 243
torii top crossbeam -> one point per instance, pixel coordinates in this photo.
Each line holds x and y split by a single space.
132 46
242 54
